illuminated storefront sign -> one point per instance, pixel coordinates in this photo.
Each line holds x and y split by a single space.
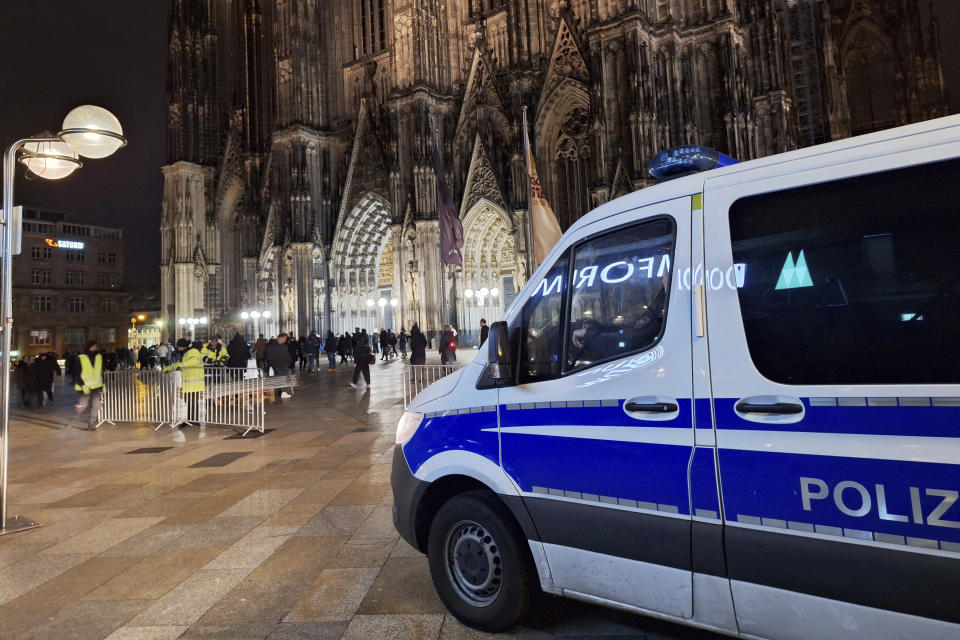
63 244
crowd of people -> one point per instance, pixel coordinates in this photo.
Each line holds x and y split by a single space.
281 355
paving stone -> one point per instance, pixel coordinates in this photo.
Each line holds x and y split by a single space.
146 633
402 586
102 536
301 630
395 627
334 596
336 521
85 620
153 576
190 599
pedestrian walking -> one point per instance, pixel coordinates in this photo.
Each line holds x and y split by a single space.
402 343
332 347
294 347
35 390
260 350
47 370
418 346
361 357
279 359
312 351
374 344
448 345
89 383
163 353
484 331
21 380
343 347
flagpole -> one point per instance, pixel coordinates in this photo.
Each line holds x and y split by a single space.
528 230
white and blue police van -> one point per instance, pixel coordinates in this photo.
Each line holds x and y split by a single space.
730 400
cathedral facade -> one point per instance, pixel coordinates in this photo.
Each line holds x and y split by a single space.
300 133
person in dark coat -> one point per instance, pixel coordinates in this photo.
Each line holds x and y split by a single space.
143 357
35 384
484 331
311 348
361 358
448 345
294 347
418 346
280 359
332 347
21 379
384 344
238 353
47 369
343 347
402 343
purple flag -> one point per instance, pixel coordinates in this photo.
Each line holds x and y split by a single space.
451 231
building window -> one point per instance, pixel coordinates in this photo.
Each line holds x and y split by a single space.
106 335
76 255
75 335
373 27
75 278
39 336
101 280
108 305
106 258
38 252
39 276
77 305
76 230
42 304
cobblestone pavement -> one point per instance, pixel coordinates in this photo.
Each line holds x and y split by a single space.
290 537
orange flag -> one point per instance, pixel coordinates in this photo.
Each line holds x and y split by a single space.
544 226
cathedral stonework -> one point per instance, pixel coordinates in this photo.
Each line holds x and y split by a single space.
300 133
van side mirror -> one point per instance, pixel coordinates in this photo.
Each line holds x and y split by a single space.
498 353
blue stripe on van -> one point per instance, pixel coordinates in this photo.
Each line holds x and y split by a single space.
465 432
703 483
597 469
613 416
761 487
874 420
703 417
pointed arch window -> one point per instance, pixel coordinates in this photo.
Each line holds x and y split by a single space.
871 87
571 165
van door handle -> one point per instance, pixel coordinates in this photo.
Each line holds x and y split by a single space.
778 408
651 407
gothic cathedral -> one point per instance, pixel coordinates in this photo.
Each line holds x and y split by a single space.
300 132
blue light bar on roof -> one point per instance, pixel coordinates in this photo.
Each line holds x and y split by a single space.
681 161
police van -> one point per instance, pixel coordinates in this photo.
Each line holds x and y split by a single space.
730 400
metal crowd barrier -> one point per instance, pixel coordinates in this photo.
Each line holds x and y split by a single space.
418 377
232 397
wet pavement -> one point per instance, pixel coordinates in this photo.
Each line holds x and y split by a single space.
288 535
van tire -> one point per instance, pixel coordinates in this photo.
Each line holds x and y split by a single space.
497 585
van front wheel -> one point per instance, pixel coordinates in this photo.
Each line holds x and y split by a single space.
479 569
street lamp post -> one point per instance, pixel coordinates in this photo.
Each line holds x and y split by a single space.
88 131
255 316
192 323
133 329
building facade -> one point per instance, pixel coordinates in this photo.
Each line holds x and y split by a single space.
300 132
67 285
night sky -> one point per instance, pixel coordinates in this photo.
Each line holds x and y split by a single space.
58 54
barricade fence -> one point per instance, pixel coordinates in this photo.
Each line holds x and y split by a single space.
231 397
418 377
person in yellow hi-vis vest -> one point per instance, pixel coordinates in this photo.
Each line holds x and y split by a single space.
89 383
214 353
191 378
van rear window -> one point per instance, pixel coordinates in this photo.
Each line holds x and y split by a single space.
854 281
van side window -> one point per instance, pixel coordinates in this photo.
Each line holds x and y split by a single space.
855 281
620 285
541 329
